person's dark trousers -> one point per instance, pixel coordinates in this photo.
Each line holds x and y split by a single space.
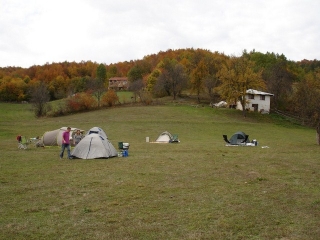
63 147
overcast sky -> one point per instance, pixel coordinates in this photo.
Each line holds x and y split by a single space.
34 32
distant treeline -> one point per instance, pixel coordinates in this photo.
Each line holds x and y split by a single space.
213 75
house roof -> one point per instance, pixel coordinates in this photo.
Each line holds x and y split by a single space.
256 92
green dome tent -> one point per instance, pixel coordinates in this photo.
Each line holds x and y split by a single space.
237 139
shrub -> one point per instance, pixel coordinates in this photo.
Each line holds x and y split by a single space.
146 97
80 102
109 98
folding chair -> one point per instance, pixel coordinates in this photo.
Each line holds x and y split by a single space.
225 137
22 142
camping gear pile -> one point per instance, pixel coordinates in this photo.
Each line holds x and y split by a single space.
23 142
124 149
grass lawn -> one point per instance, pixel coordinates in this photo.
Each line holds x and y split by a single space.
196 189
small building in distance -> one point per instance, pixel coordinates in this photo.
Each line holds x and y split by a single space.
257 101
118 83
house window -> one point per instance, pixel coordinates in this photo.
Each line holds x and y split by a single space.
262 97
251 96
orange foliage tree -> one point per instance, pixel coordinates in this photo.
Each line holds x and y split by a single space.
109 98
80 102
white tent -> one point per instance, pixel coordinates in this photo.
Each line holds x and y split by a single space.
94 146
54 138
167 137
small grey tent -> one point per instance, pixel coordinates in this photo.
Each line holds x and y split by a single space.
239 138
167 137
94 146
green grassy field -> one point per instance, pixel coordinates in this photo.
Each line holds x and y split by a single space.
196 189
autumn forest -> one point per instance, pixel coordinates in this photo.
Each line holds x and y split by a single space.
208 76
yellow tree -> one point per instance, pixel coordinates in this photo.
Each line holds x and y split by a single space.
12 89
199 74
152 79
58 87
237 75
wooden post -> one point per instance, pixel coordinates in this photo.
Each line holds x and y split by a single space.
318 133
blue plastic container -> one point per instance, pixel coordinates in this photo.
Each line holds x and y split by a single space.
125 153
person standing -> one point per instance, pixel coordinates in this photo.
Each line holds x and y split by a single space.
66 143
77 137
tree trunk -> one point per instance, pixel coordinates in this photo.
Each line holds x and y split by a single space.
318 133
244 111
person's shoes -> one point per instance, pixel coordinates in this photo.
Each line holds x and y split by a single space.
70 158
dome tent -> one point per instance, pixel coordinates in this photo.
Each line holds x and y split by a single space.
94 146
238 138
167 137
98 131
